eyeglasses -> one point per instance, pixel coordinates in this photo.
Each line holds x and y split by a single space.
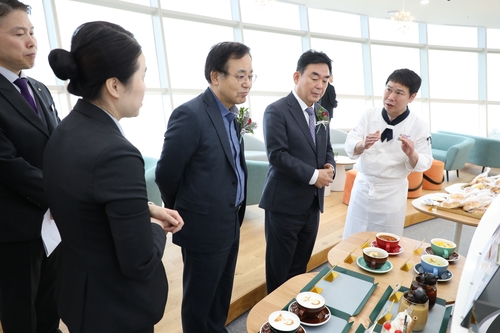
244 78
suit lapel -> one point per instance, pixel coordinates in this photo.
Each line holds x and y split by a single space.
46 105
13 96
215 116
298 114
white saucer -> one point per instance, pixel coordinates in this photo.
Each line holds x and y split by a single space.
384 269
265 328
325 315
446 276
457 187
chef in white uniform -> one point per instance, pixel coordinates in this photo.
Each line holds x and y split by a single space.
389 143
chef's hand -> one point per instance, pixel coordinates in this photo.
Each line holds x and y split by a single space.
371 139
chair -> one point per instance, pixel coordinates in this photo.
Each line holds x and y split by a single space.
453 150
255 149
149 174
337 139
257 173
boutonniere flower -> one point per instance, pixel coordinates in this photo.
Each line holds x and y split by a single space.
245 122
322 118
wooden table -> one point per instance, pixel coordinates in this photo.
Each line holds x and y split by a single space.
285 293
447 215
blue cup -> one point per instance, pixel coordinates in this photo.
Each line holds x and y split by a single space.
434 264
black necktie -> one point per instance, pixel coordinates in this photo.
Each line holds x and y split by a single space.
387 133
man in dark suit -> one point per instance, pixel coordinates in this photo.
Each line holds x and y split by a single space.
301 164
27 119
202 174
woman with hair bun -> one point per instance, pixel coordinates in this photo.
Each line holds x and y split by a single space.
111 276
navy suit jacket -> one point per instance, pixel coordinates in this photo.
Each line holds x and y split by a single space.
111 277
197 177
23 137
293 157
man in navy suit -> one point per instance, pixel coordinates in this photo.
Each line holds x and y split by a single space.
202 174
27 119
301 164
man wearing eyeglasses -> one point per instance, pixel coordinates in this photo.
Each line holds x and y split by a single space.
301 164
202 174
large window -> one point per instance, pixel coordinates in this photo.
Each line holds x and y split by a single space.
386 59
453 75
346 79
274 59
493 76
460 80
452 36
334 23
187 51
138 24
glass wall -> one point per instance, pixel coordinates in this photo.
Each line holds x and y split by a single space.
460 88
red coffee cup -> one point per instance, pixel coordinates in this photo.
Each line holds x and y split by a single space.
388 241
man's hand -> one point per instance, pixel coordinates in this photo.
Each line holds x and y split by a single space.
371 139
325 177
168 219
408 147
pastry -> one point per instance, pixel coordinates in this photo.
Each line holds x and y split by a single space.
450 204
457 196
471 205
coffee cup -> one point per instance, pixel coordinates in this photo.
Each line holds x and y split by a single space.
375 257
443 247
310 304
434 264
283 322
388 241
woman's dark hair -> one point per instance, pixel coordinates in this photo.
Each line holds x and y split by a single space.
220 54
407 78
99 51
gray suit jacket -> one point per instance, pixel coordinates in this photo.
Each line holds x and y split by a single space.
23 137
293 157
197 177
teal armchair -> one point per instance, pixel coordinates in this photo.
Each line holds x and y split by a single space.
337 139
453 150
151 187
255 149
257 173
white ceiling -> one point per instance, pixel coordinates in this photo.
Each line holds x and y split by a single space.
477 13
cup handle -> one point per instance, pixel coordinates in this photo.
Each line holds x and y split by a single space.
446 254
388 247
435 271
372 264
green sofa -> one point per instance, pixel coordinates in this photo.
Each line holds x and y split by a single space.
486 151
453 150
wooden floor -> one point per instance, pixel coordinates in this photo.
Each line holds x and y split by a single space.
249 284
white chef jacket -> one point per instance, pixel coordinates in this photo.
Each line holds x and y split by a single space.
378 196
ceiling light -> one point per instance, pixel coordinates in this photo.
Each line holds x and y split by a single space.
424 2
403 20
